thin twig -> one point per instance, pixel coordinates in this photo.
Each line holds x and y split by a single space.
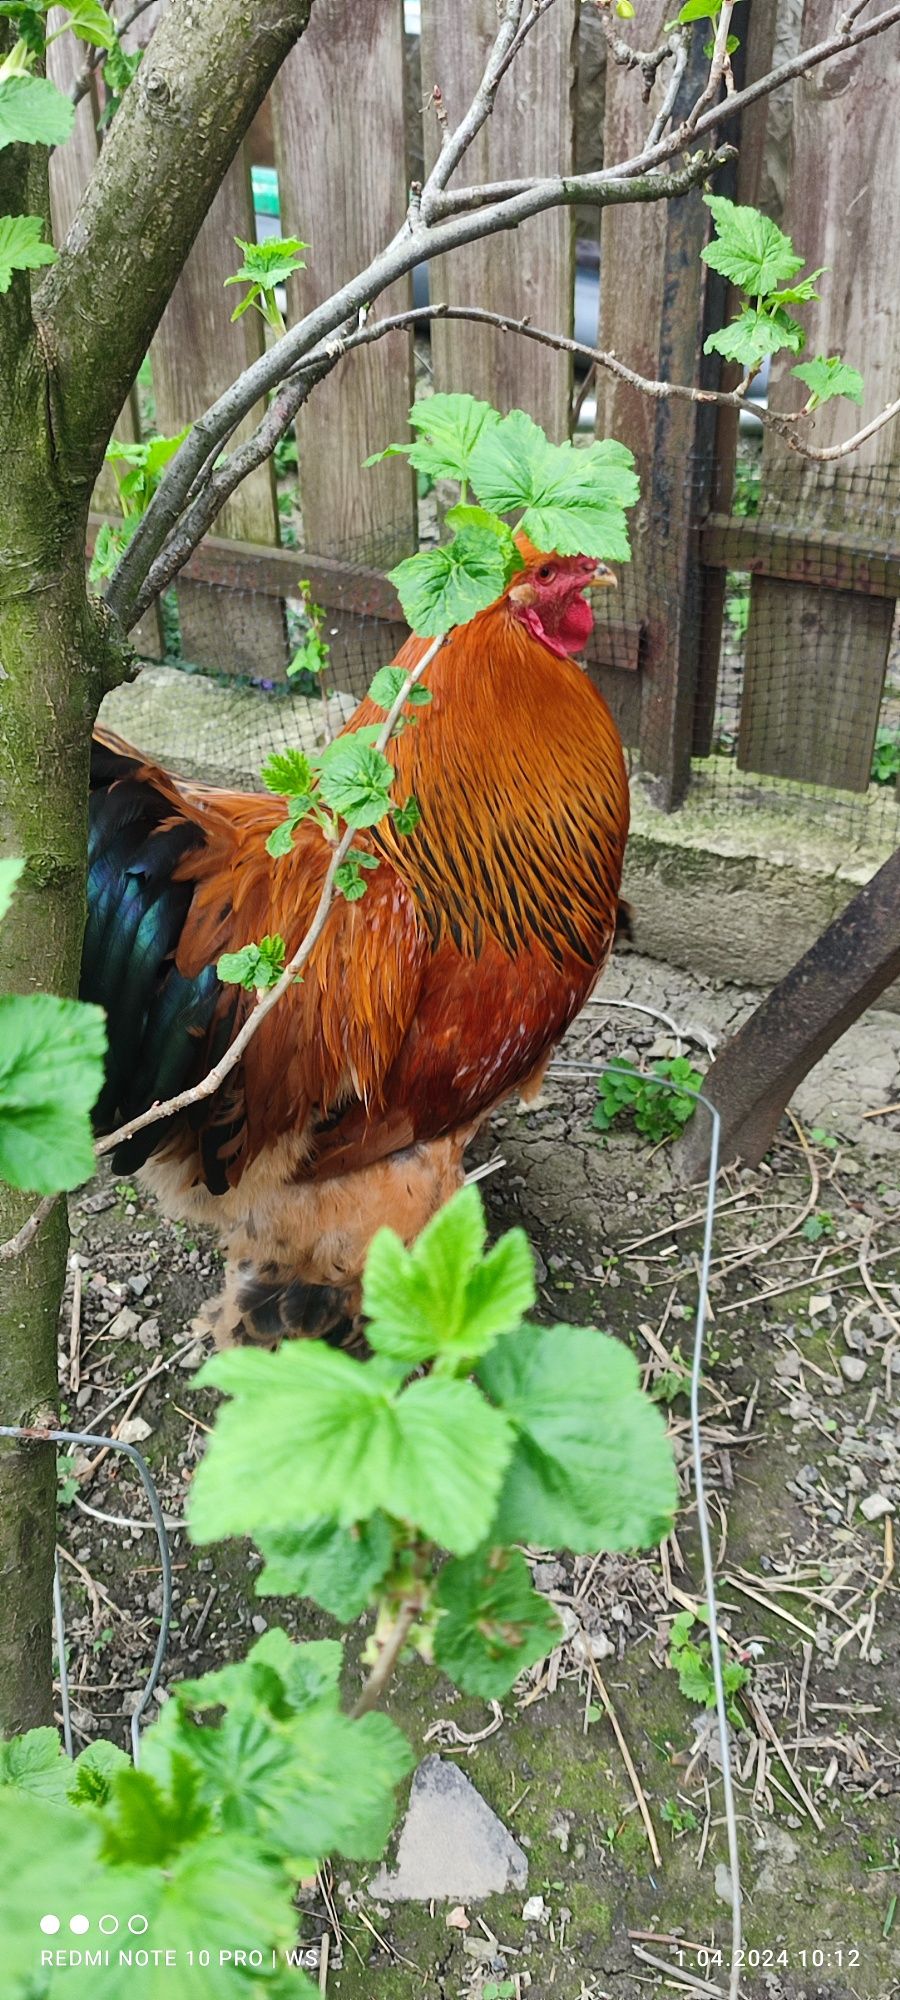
388 1657
628 1762
16 1244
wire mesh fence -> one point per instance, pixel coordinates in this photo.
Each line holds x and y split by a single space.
779 641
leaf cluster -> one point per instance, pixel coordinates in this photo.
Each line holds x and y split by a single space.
689 1654
659 1110
51 1071
886 757
566 498
760 260
144 464
353 1477
265 266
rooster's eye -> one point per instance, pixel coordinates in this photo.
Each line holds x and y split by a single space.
545 572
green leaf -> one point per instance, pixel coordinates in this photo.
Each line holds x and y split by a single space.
445 1296
753 335
443 587
449 428
30 17
270 263
92 1774
10 872
35 1763
699 10
91 23
574 496
21 248
829 377
34 112
119 70
347 876
385 687
311 1433
494 1623
256 966
407 817
338 1567
749 249
799 294
592 1468
51 1072
355 780
287 772
219 1891
482 518
284 1766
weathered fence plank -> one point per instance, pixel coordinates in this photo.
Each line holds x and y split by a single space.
651 306
195 355
341 155
844 147
531 269
742 181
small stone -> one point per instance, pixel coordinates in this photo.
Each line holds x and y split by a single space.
138 1285
819 1303
192 1357
875 1506
134 1430
148 1333
533 1911
788 1365
452 1846
456 1920
259 1623
124 1325
724 1887
853 1367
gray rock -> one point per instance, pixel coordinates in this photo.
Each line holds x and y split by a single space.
452 1846
853 1367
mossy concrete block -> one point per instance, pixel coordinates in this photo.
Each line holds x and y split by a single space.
741 895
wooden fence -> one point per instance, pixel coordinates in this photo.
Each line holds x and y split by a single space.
824 585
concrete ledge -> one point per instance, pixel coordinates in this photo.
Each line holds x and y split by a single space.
737 885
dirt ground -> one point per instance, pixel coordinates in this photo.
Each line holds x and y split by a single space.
802 1460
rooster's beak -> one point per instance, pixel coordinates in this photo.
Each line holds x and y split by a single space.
602 579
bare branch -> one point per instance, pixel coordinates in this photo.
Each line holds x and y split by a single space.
719 68
648 61
307 341
512 35
15 1245
669 101
778 421
455 222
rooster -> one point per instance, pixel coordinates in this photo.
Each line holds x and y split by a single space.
424 1004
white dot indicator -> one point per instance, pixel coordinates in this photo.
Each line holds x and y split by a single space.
49 1925
138 1924
79 1925
108 1925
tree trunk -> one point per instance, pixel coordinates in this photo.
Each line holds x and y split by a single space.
52 647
